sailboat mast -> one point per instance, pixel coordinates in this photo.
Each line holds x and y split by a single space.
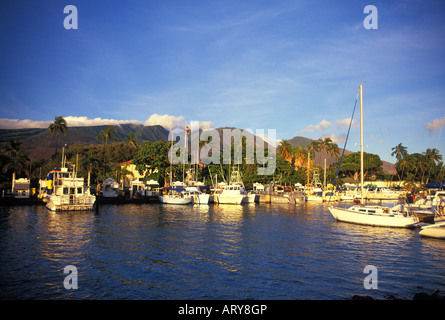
361 141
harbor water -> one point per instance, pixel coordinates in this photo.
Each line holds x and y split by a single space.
250 251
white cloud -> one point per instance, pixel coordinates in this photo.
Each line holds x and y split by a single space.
324 124
167 121
338 139
170 122
436 124
344 122
85 122
70 120
22 124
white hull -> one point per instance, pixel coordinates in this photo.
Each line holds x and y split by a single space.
434 231
380 219
250 198
67 203
279 199
230 199
314 198
202 198
173 199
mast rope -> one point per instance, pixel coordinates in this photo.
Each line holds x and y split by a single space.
346 140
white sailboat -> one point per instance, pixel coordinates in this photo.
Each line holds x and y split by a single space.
175 195
373 215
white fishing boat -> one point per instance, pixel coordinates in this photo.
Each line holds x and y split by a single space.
236 179
436 230
231 194
67 192
373 215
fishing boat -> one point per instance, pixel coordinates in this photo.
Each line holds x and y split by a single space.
236 179
436 230
399 217
231 194
67 192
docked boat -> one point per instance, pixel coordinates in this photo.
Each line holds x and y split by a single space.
67 192
198 197
382 194
436 230
429 201
231 194
373 215
316 194
110 188
376 216
176 198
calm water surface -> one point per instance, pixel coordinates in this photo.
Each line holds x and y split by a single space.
252 251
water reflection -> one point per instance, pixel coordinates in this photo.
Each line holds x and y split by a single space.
252 251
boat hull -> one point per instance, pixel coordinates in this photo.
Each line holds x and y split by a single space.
174 200
230 199
434 231
201 198
379 220
63 203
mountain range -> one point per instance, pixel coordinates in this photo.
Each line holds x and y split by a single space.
38 143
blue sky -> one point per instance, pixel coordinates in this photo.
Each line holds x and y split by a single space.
293 66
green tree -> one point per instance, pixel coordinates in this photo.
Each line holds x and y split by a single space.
400 152
17 163
132 140
109 133
351 165
59 126
154 156
433 158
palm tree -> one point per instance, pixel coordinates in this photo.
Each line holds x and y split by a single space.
400 151
59 126
17 163
434 156
132 140
11 148
325 146
313 148
285 150
109 133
